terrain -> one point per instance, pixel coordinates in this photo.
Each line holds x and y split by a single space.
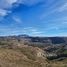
28 51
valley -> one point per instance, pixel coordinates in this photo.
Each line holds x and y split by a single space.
27 51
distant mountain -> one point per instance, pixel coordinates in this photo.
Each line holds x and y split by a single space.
51 40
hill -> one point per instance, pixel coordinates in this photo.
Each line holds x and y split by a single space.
27 51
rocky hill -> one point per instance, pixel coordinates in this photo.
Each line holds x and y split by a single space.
27 51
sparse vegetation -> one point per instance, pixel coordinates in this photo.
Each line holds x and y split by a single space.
20 52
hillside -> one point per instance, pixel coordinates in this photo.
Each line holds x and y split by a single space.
26 51
17 58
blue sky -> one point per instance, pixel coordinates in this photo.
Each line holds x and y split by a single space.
33 17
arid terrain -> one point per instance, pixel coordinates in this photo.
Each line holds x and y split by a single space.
27 51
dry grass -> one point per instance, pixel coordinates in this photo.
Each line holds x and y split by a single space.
26 57
13 58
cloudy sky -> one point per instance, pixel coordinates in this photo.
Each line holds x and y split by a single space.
33 17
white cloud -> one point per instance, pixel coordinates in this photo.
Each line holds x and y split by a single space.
63 7
11 1
7 4
48 13
57 7
53 28
4 12
30 2
64 22
17 19
32 31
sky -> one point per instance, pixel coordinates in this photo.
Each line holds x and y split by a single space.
33 17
